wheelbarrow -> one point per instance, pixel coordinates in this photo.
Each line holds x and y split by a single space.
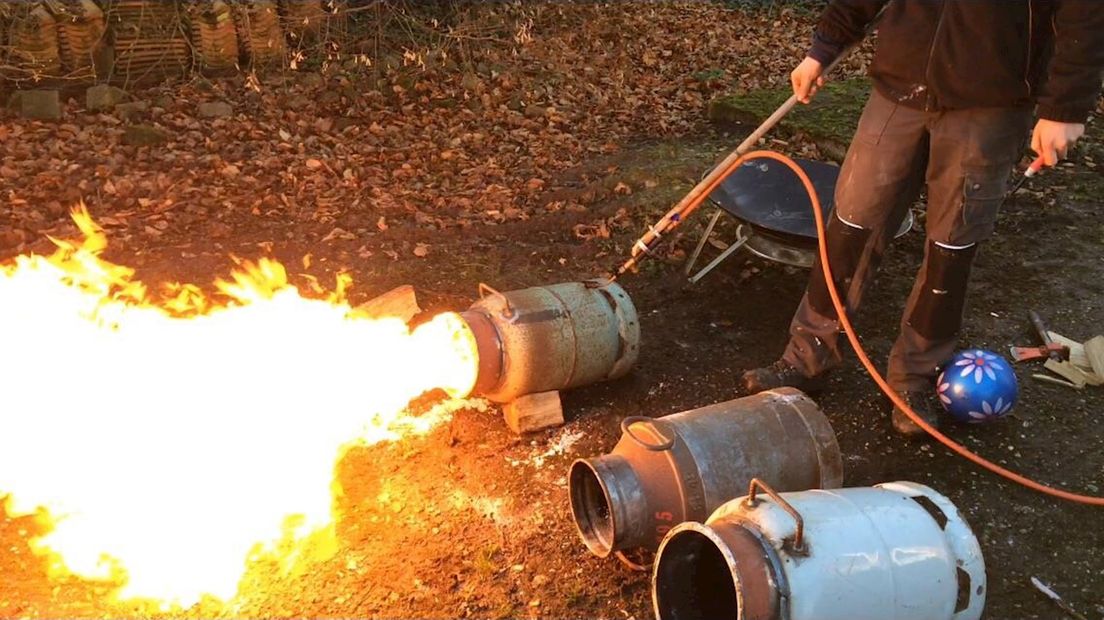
772 214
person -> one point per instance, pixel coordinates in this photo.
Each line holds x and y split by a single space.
956 85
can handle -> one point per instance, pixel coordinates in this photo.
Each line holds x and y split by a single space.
485 289
668 437
798 545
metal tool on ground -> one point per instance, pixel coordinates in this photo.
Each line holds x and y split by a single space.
1053 380
1079 370
1053 596
1041 328
683 466
1049 349
895 550
1024 354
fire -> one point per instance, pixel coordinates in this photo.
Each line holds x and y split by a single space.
169 438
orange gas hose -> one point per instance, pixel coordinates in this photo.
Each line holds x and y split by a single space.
854 339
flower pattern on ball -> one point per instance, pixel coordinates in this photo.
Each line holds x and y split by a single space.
942 390
980 363
977 386
987 411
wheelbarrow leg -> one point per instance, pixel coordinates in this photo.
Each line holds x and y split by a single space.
701 244
717 261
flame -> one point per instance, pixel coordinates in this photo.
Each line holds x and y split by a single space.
171 439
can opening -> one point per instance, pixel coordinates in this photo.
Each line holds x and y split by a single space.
693 581
484 337
590 505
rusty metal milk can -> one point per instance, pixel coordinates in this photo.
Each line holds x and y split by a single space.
896 550
683 466
554 337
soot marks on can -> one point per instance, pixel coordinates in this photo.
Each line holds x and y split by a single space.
540 316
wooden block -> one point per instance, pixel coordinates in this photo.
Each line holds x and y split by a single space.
1077 350
534 412
1053 380
400 302
1094 350
1067 370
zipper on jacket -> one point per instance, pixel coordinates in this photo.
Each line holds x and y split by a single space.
928 103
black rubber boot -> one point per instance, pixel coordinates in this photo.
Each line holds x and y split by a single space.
779 374
922 403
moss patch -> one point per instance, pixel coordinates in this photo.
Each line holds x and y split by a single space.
829 120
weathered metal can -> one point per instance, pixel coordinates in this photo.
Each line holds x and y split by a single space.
552 337
683 466
896 550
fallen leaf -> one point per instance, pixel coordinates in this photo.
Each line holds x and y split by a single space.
382 223
306 260
421 250
219 230
314 164
338 233
591 231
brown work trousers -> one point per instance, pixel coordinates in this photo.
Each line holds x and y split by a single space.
965 157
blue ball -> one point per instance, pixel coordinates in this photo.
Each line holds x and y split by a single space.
977 386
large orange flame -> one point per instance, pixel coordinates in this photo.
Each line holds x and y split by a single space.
171 437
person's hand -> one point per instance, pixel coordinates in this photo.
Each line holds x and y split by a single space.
806 79
1052 139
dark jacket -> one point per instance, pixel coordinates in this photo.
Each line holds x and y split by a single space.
952 54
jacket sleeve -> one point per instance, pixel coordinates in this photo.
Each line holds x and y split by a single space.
1072 84
842 23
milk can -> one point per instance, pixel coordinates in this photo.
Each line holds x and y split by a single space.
554 337
895 551
683 466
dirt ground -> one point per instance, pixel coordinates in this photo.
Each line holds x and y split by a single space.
473 521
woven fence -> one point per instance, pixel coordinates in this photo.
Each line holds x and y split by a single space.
56 42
